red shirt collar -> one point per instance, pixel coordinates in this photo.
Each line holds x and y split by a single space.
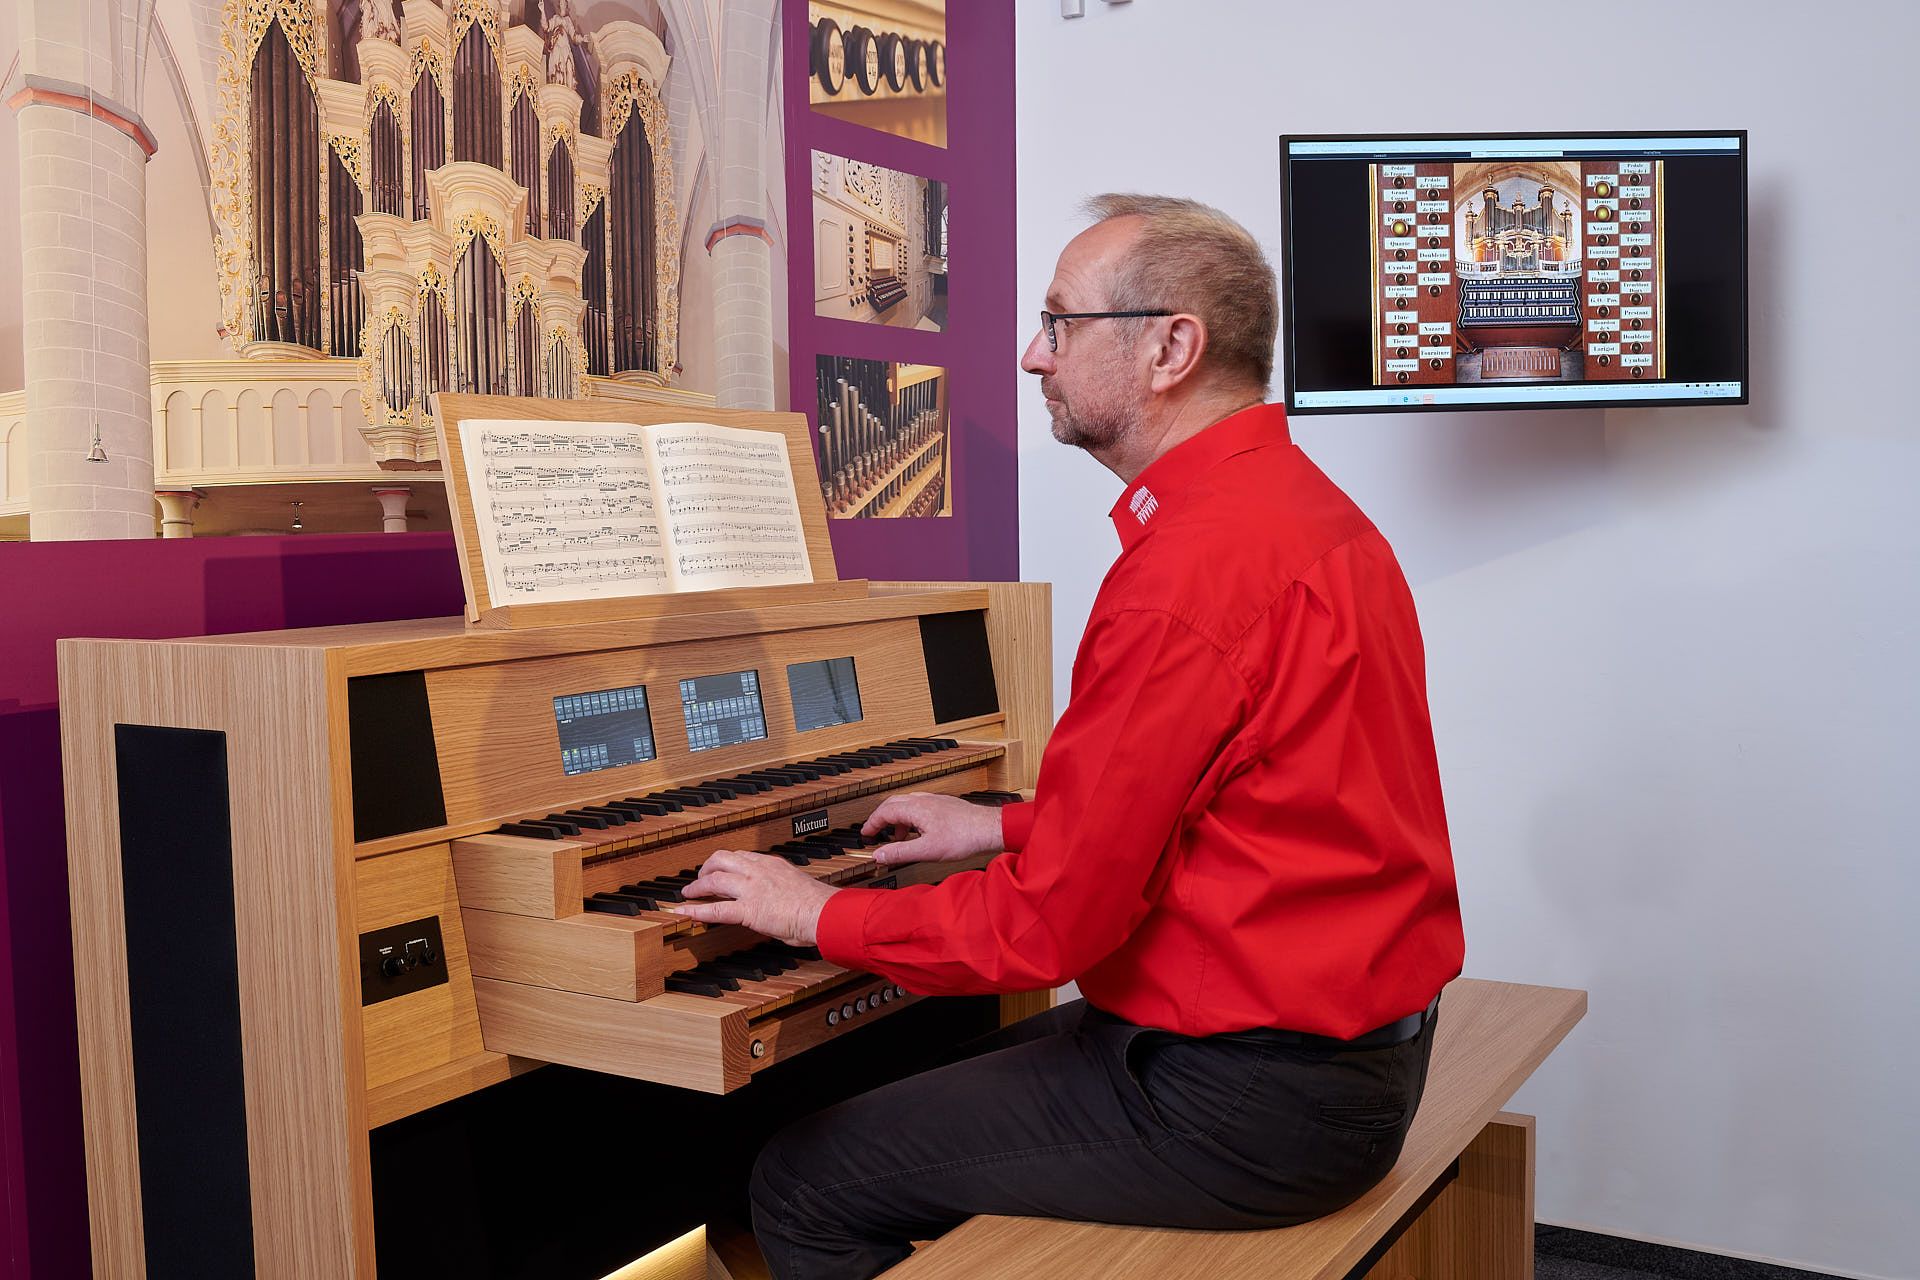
1174 472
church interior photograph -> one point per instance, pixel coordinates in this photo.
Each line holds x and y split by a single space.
955 640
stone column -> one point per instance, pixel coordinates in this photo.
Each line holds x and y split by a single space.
83 240
176 511
393 508
741 246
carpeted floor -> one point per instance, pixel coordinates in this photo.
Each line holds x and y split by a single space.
1564 1254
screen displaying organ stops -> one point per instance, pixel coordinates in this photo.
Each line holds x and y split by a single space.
723 711
824 693
1516 270
604 729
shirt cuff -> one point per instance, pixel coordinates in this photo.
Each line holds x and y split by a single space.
1016 824
841 933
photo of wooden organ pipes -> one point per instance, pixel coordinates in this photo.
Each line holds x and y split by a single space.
881 64
1517 271
883 439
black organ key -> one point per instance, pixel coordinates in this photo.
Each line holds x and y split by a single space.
613 904
584 821
687 798
773 956
634 810
694 986
612 814
651 806
535 830
733 967
651 889
729 788
826 766
564 826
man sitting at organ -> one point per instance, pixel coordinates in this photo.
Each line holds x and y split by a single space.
1237 848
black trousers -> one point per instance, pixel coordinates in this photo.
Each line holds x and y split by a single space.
1076 1114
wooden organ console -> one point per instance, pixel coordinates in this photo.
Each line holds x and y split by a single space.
329 880
883 438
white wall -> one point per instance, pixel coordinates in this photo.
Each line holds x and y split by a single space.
1671 651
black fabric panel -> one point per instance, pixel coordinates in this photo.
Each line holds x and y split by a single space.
959 665
396 770
183 997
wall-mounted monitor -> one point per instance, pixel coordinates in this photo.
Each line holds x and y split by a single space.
1426 272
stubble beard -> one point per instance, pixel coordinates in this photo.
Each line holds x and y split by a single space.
1097 429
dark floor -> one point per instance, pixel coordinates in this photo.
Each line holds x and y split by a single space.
1561 1253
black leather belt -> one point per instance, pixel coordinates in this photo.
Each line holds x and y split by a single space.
1399 1031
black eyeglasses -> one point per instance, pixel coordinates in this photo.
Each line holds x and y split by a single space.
1050 318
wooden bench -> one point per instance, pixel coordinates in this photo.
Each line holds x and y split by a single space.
1457 1206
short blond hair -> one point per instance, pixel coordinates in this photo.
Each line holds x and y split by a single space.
1191 257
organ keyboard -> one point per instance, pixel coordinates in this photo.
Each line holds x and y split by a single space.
327 879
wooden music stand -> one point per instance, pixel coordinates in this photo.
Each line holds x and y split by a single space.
483 612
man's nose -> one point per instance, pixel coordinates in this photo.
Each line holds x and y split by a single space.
1038 357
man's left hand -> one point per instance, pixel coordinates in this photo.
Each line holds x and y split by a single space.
766 894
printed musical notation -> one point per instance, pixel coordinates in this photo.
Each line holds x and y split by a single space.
567 511
765 564
564 510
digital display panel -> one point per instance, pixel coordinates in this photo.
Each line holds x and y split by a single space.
722 710
1520 271
824 693
604 729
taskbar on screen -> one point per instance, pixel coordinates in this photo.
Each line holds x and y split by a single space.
1487 397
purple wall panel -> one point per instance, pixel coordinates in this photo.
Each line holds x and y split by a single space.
125 589
981 344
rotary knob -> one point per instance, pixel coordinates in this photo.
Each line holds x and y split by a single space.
1434 290
394 965
1606 311
1606 359
1401 376
1400 328
1636 371
1435 362
1399 255
1400 278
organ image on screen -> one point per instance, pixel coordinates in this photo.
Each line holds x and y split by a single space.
1517 271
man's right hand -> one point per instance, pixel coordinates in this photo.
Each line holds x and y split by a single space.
944 828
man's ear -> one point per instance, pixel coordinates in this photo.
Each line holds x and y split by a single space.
1177 356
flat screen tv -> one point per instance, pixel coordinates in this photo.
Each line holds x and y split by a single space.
1513 271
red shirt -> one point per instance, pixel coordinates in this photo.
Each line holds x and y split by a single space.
1238 820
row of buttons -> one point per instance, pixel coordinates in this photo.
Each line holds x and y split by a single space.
885 995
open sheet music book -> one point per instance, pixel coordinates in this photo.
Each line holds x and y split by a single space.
590 510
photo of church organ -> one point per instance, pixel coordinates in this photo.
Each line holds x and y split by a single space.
884 449
358 204
881 64
1516 271
880 244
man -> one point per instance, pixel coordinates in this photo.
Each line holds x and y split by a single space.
1237 845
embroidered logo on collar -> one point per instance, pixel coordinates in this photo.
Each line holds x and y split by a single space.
1143 505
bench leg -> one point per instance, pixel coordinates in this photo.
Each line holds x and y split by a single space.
1480 1227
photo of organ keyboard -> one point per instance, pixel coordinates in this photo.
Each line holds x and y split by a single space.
578 959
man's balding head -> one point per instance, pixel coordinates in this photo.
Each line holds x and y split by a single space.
1175 254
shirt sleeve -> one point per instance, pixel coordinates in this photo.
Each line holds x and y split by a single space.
1154 707
1016 825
